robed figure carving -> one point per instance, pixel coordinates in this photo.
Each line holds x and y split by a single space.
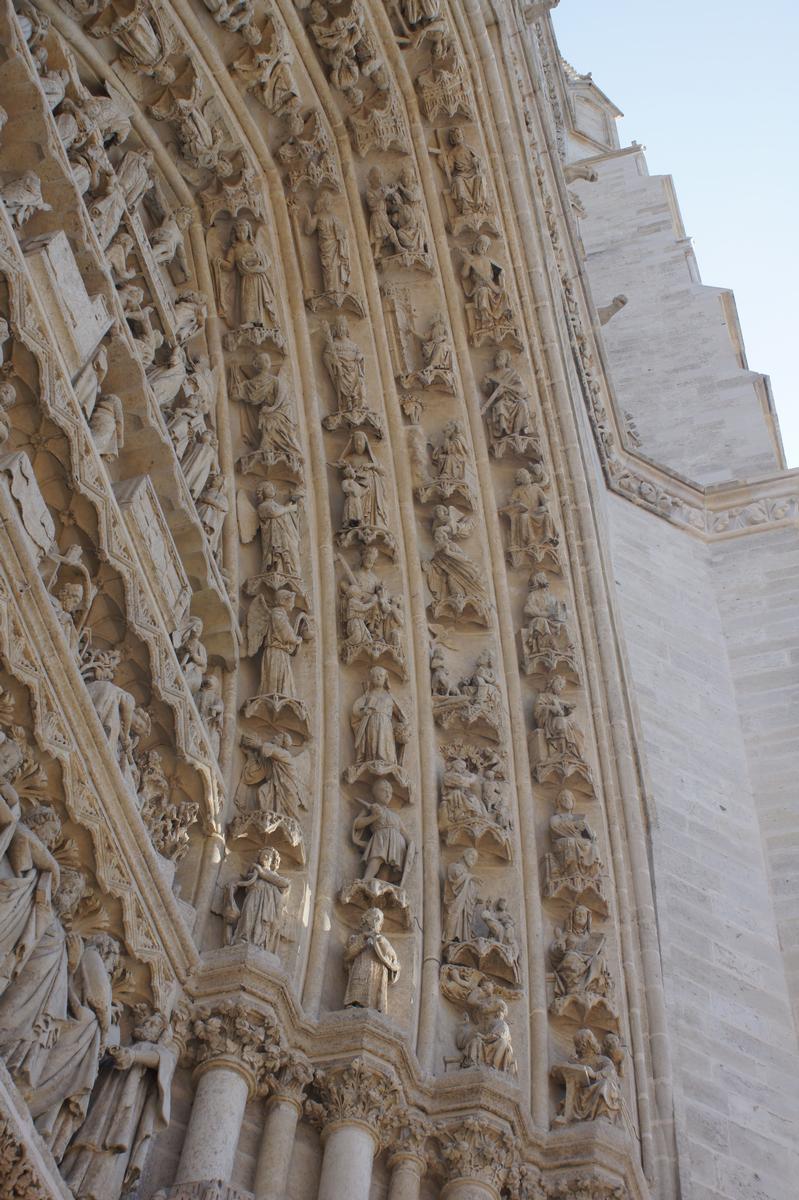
129 1105
279 527
381 731
259 921
371 964
270 628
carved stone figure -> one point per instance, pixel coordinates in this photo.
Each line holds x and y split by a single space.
59 1091
107 425
444 88
592 1081
456 584
473 809
201 139
167 815
236 16
467 184
167 240
546 645
365 511
574 868
113 705
212 507
211 708
334 256
125 189
489 308
259 920
582 983
460 898
528 513
280 537
372 620
507 411
270 766
382 234
344 363
437 362
397 229
274 431
129 1106
52 83
269 628
484 1037
143 34
381 731
252 308
476 700
345 44
371 964
191 310
22 198
451 460
388 852
556 741
308 153
268 73
191 653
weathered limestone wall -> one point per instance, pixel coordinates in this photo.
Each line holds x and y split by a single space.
734 1042
757 587
677 355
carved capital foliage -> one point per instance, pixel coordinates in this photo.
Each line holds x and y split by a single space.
474 1149
410 1136
247 1038
585 1187
356 1093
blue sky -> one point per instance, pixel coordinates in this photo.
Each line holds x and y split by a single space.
711 89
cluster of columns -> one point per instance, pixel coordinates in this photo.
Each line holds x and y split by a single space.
223 1088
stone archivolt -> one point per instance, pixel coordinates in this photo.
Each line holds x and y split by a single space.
251 257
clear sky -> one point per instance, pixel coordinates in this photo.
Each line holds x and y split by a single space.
711 88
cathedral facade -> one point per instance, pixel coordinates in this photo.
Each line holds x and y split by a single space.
399 582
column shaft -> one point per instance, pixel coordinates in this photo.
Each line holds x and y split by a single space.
209 1149
347 1163
277 1144
406 1177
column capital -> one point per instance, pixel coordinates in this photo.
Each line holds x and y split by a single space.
289 1082
354 1094
409 1138
232 1035
474 1150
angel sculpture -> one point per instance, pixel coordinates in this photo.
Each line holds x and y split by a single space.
279 526
251 309
271 426
365 512
270 629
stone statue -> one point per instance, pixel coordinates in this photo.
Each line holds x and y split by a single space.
211 708
546 645
270 767
381 731
143 33
467 184
308 153
437 361
201 138
278 524
456 584
212 508
260 919
191 653
274 431
507 411
556 740
167 816
529 517
268 73
372 621
269 628
22 198
252 308
344 363
490 309
167 240
592 1081
333 244
345 45
371 964
107 425
451 459
388 852
236 16
460 898
365 510
113 705
484 1038
475 701
129 1106
191 310
582 983
574 868
382 234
